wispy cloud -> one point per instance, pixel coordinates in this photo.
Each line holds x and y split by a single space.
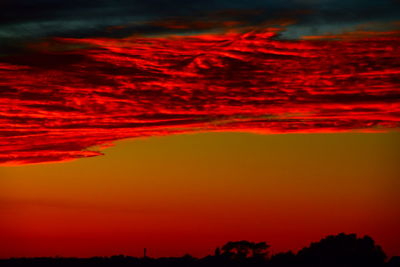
70 94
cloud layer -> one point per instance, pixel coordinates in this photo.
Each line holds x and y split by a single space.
22 20
70 94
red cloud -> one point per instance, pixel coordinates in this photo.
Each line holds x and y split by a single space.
57 103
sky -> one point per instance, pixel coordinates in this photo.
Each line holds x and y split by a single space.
190 193
180 125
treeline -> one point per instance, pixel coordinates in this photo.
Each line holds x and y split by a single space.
335 250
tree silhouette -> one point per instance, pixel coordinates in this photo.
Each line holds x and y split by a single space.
245 249
217 252
333 251
343 249
260 250
284 258
394 261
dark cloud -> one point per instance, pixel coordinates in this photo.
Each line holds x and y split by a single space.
22 20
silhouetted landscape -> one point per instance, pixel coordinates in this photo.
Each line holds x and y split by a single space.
334 250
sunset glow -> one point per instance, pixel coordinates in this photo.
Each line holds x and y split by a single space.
190 193
234 131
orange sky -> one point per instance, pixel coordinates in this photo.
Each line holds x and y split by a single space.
190 193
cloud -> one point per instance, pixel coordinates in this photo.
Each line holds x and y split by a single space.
371 30
68 95
23 20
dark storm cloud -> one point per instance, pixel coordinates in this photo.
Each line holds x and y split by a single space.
22 20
